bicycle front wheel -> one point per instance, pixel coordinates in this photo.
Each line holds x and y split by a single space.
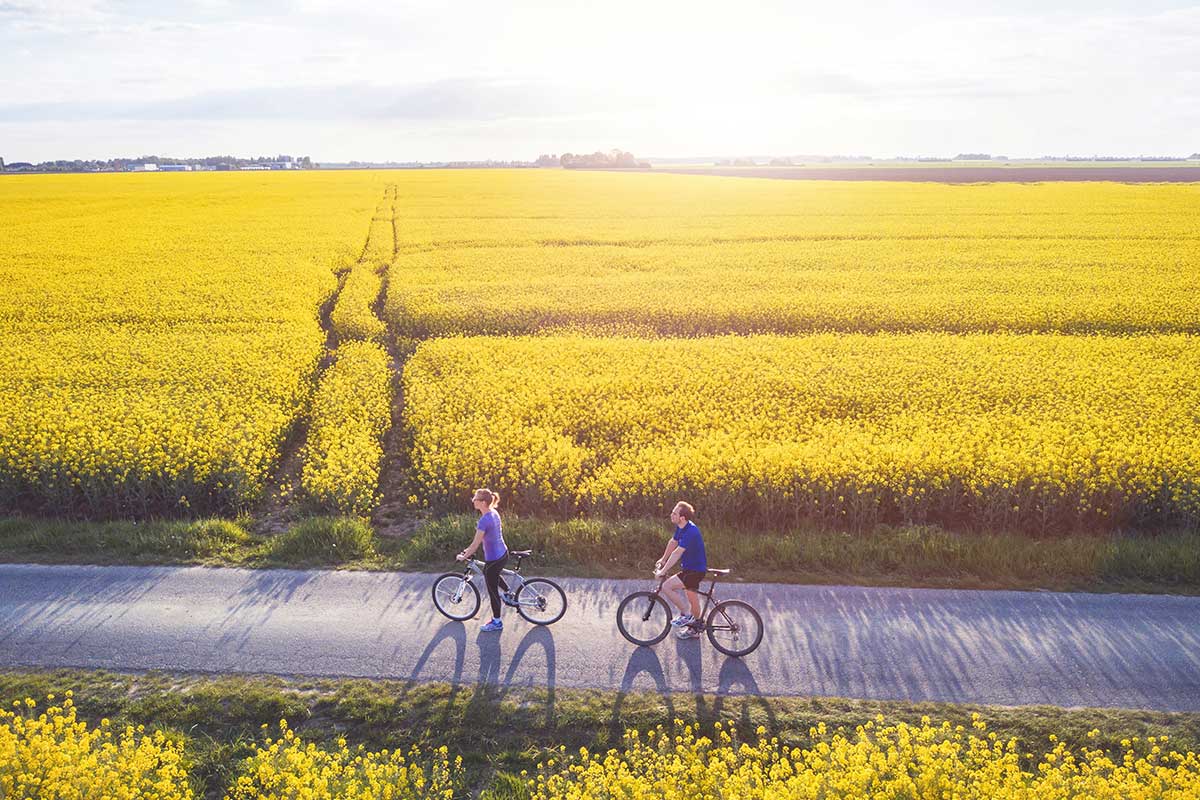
541 601
644 618
455 596
734 628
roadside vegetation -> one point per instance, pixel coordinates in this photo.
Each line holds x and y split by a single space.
218 722
881 555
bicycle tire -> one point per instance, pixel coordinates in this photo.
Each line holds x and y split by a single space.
647 633
552 590
470 596
739 630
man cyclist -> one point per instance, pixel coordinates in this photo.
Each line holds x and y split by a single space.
686 546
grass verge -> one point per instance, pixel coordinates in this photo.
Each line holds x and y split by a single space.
882 556
502 730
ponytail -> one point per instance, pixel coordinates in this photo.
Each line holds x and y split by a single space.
487 496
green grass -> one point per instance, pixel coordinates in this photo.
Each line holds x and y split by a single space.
881 556
500 731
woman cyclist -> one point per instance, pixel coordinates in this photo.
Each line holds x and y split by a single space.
495 552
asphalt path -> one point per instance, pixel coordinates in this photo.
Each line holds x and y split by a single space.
991 647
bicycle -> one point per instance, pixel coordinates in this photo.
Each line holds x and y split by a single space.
734 627
538 600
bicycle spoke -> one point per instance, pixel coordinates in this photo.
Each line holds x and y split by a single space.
735 628
455 597
541 601
643 619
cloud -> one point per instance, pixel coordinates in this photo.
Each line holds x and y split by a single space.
48 15
451 100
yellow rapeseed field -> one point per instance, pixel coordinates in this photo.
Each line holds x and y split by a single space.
287 767
1000 354
1041 432
504 208
160 332
852 285
681 255
885 762
1070 402
53 754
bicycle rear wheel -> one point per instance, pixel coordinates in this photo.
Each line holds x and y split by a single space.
455 596
644 618
734 628
541 601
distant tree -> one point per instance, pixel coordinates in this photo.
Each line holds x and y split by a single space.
614 159
781 162
624 160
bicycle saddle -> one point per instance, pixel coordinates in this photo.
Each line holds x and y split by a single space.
719 571
520 553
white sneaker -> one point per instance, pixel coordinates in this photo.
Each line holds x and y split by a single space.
687 633
683 619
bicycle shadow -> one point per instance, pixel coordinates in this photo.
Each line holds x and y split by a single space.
735 673
456 633
491 687
643 661
736 684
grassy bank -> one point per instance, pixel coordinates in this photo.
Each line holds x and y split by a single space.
884 555
500 731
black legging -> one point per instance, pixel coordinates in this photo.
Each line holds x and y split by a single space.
491 577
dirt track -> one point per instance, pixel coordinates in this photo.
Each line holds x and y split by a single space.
950 174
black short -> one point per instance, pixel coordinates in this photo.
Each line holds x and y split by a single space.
690 579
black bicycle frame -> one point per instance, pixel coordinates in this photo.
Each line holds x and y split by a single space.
708 599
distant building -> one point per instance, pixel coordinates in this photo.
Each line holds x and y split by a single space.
174 167
149 167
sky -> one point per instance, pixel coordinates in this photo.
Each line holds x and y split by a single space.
432 81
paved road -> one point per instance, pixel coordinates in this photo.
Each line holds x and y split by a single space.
1011 648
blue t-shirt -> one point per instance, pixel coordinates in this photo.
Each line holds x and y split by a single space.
493 540
688 537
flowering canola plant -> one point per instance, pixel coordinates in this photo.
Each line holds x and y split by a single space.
160 332
884 762
52 754
1013 431
287 767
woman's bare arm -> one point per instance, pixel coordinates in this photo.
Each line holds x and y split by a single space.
469 551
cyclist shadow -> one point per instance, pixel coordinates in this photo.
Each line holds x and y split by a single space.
456 633
643 661
735 685
491 687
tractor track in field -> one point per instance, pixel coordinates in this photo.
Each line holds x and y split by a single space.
276 511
